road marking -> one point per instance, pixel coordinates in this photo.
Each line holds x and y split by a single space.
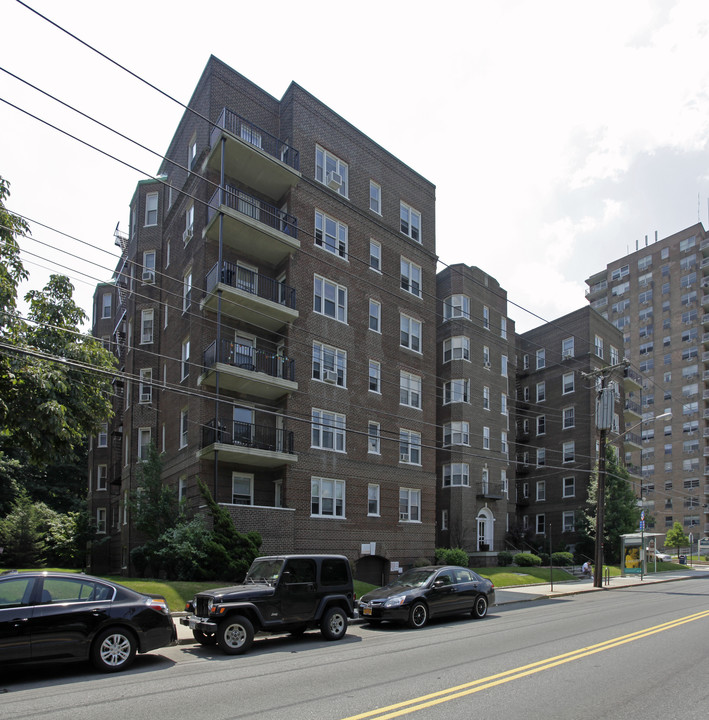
442 696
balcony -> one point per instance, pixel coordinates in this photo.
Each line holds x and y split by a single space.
251 226
248 444
491 490
254 156
248 370
633 439
596 288
632 412
632 380
634 470
249 296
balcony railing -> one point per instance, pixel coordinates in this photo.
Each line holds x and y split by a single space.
633 407
261 437
633 375
490 489
254 208
633 469
251 133
634 438
249 358
251 282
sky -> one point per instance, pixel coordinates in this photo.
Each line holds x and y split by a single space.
558 134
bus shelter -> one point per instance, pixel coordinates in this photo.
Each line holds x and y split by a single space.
635 550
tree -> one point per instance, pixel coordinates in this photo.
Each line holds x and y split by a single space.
676 537
621 514
22 534
154 505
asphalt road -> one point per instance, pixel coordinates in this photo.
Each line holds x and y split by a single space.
631 653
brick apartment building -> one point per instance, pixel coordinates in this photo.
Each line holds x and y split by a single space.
656 296
274 316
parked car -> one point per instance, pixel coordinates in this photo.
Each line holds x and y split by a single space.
54 616
280 594
428 592
663 557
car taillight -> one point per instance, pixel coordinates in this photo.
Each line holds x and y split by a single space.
158 605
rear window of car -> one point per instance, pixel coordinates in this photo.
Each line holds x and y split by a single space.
15 592
61 590
334 572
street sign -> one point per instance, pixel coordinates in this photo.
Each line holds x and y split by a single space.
642 514
642 525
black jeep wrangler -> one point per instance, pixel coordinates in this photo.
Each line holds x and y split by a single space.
284 593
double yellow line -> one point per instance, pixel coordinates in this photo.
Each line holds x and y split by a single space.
442 696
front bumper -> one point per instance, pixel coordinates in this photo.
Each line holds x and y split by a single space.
196 623
379 612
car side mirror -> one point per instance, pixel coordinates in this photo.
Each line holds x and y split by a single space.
438 583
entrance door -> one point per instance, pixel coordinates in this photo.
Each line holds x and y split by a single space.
243 426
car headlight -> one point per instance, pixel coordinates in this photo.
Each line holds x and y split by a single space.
395 601
210 605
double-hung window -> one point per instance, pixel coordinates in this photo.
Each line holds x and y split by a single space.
410 333
456 306
456 348
185 359
375 255
456 474
409 505
151 209
375 316
146 385
101 477
569 418
410 389
375 197
106 300
409 447
328 430
568 452
331 171
455 391
146 326
373 499
327 497
375 376
456 433
373 438
410 277
186 291
184 427
330 234
410 222
329 364
329 299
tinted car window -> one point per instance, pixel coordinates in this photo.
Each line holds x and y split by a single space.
15 592
334 572
463 575
301 571
445 578
61 590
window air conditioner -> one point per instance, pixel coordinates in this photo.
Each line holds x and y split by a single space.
330 376
403 516
403 457
187 234
486 364
334 180
146 397
148 276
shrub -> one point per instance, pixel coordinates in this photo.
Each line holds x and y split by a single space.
139 559
544 558
562 559
504 558
527 560
451 556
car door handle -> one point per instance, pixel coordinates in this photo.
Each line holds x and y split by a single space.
17 621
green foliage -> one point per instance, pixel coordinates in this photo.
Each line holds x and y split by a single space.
12 271
22 534
676 537
527 560
504 558
183 550
67 538
561 559
421 562
451 556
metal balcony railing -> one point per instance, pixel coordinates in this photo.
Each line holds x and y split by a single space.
633 407
261 437
490 489
249 358
251 282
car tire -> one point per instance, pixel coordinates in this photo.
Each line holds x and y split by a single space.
235 635
113 650
333 625
204 638
480 607
418 615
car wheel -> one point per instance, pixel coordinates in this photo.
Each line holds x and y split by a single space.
204 638
113 649
480 607
235 635
334 624
418 615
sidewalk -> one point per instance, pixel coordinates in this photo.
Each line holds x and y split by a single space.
527 593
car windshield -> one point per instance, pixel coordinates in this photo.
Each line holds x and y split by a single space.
413 578
264 571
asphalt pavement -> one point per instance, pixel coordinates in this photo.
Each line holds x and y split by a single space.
539 591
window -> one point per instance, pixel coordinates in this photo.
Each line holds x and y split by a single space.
182 488
541 490
373 438
327 497
456 475
410 222
103 436
144 436
409 505
620 272
444 519
148 275
620 289
375 376
486 398
456 348
410 333
186 291
569 487
189 224
101 477
330 299
185 361
409 447
541 457
598 346
375 197
567 348
373 500
329 364
687 262
151 209
100 521
410 389
375 316
569 418
250 135
456 306
410 277
146 388
375 255
568 452
540 524
486 356
503 365
525 361
486 317
331 171
503 443
503 404
455 391
184 420
567 521
503 327
146 326
456 433
567 383
541 425
615 355
328 430
486 438
106 300
242 489
330 234
541 358
541 391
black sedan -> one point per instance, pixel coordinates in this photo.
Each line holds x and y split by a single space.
47 616
427 592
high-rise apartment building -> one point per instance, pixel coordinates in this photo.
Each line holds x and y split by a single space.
274 317
656 297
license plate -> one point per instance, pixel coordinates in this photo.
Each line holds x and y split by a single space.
366 611
193 622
